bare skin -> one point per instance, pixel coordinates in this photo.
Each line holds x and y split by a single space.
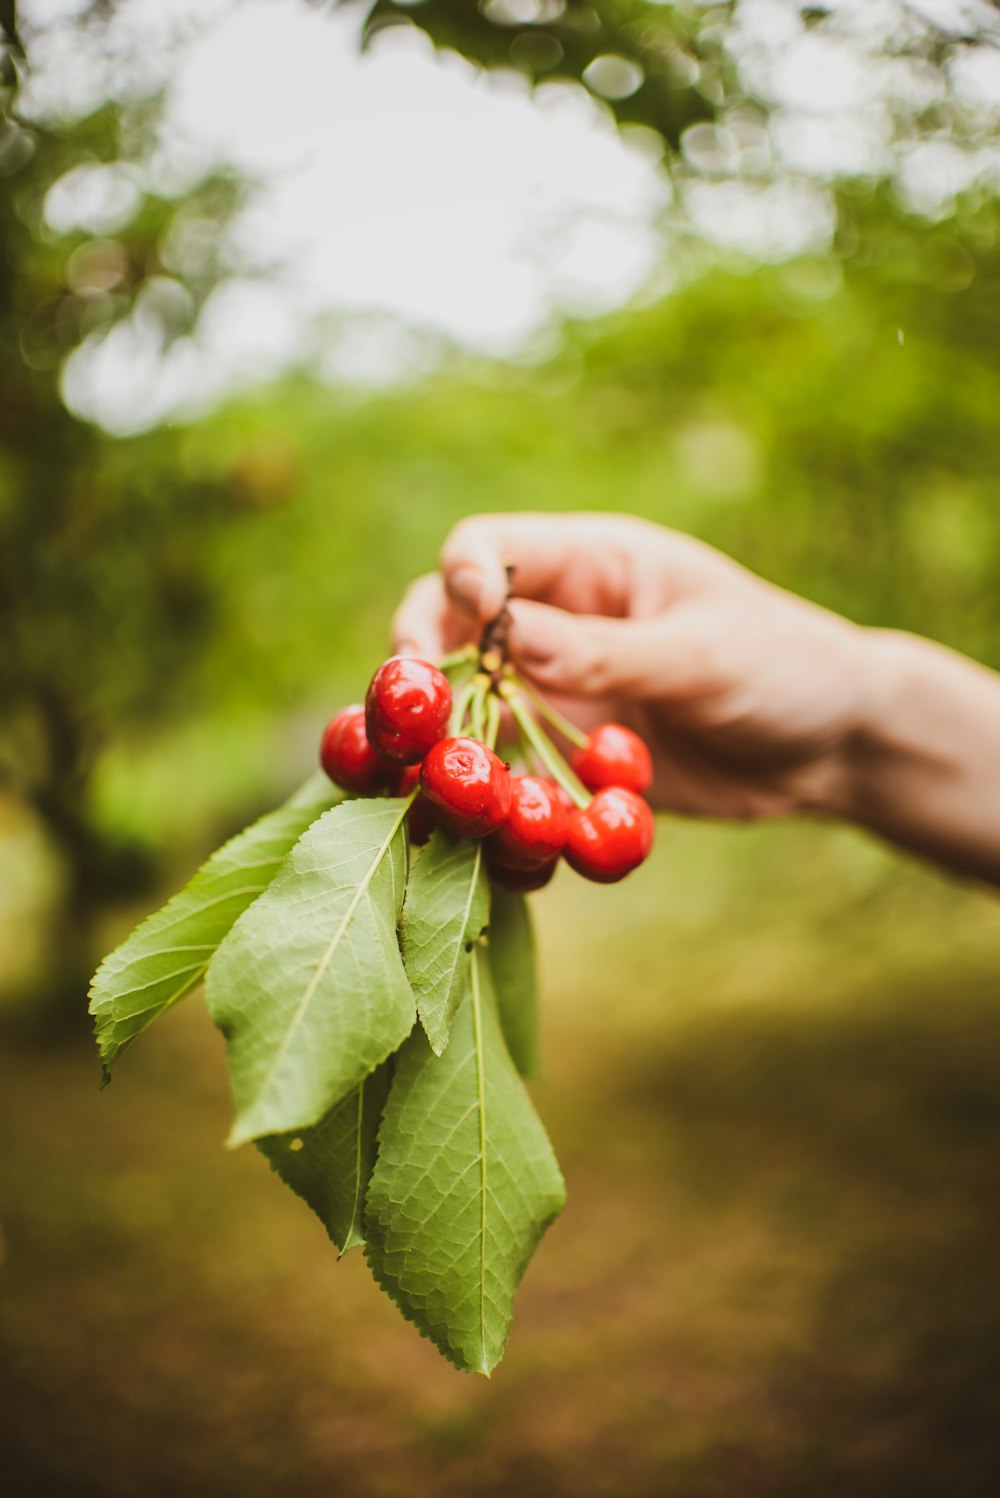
754 702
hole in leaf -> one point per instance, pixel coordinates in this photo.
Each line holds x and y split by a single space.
296 1144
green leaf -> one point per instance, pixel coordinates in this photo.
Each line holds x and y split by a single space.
511 947
330 1164
464 1185
446 908
309 987
166 957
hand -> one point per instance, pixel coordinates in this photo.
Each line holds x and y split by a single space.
747 696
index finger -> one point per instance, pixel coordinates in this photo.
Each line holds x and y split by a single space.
588 562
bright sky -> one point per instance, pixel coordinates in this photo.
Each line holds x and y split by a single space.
400 189
405 193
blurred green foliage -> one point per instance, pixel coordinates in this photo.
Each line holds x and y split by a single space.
829 422
104 595
770 1062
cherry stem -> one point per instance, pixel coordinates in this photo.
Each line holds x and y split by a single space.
492 720
463 657
543 746
552 715
493 644
477 714
460 707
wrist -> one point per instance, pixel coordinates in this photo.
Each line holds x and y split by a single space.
879 739
836 780
918 763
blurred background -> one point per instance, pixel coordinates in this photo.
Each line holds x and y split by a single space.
285 290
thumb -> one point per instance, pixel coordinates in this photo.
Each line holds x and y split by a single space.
588 655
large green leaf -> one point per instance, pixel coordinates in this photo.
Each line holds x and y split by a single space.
309 987
166 957
330 1164
446 908
511 946
464 1185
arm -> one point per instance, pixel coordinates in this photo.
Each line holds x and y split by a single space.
924 767
753 701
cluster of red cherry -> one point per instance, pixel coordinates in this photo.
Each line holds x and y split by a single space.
591 812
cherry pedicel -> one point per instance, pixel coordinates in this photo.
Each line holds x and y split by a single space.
613 755
467 785
535 830
406 709
612 836
347 756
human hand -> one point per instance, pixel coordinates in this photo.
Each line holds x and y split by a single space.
747 696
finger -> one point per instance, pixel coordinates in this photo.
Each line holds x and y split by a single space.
588 562
418 626
586 655
427 625
593 552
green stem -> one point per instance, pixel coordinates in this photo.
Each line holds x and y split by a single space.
492 720
463 657
460 707
551 714
543 746
477 713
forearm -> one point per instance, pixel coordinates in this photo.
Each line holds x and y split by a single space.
924 767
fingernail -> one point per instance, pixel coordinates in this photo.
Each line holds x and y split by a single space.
407 647
465 585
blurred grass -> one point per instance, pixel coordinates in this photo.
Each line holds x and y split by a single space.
773 1080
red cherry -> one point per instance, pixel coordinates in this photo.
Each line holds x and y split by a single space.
467 785
405 780
519 879
535 830
406 709
347 756
421 821
420 817
613 755
563 796
609 838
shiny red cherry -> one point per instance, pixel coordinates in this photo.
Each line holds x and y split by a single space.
420 818
535 830
347 756
405 780
563 796
467 785
613 755
609 838
406 709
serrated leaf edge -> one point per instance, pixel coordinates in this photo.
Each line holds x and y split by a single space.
103 1012
461 950
478 1031
485 1367
355 1237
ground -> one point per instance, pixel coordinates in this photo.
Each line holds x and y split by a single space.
773 1082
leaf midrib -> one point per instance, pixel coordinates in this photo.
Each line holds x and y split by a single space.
310 991
478 1040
